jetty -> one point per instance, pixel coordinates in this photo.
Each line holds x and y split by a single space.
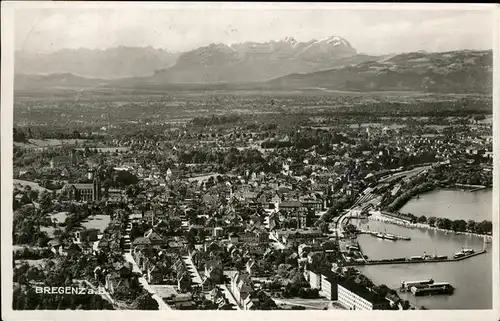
384 235
416 260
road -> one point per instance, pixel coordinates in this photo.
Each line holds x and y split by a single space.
229 296
135 268
314 304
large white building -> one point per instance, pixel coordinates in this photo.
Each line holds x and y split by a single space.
356 297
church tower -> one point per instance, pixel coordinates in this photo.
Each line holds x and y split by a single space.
96 188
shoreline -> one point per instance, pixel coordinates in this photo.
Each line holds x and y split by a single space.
453 187
381 218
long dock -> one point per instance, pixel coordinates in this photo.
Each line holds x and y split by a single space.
398 237
408 261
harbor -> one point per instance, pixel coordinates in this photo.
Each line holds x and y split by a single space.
471 290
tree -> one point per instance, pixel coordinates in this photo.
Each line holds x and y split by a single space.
431 221
323 226
459 225
382 290
484 227
471 226
443 223
422 219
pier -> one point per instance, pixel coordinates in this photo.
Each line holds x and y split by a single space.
387 236
414 261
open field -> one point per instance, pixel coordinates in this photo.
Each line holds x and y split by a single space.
45 143
33 185
99 222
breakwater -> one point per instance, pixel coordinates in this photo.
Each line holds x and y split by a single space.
409 261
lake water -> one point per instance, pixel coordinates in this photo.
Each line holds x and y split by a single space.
452 204
471 277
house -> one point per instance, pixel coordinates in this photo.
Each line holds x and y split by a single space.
141 243
115 196
218 232
304 250
155 238
88 235
214 271
217 297
242 288
113 280
154 275
207 284
56 246
184 281
233 238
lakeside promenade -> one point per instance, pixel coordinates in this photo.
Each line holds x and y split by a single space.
377 216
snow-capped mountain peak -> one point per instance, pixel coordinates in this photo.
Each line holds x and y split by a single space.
291 41
334 41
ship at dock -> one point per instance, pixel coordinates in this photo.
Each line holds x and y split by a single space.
432 289
407 285
463 252
390 237
426 287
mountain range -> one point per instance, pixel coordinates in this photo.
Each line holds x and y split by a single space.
115 62
330 63
248 61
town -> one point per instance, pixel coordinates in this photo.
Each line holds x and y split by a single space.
233 211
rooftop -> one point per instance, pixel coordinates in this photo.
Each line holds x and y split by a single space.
362 291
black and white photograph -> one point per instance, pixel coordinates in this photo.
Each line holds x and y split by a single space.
245 156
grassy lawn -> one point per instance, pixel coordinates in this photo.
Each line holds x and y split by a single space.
99 222
60 217
34 186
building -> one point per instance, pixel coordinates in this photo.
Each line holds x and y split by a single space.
291 205
353 296
326 282
315 205
329 288
218 232
315 280
214 271
85 192
89 235
115 196
242 290
291 236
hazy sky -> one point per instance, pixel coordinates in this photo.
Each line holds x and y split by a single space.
372 32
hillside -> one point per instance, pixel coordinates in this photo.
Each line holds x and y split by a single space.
458 71
251 62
